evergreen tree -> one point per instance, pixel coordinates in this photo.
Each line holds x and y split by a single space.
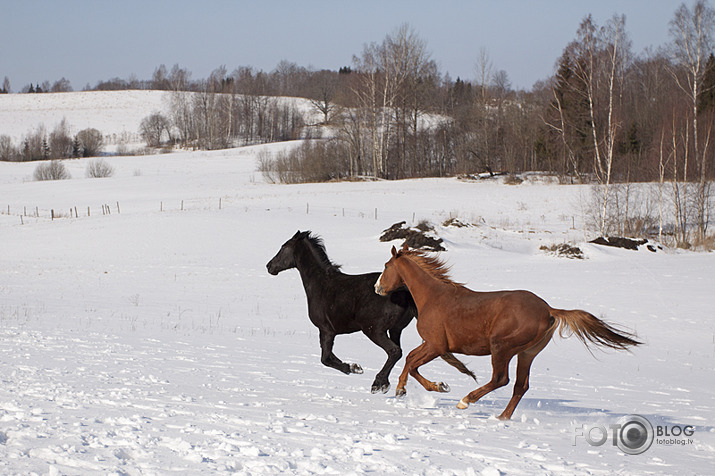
76 147
45 149
707 94
570 101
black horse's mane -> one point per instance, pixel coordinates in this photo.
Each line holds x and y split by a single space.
318 248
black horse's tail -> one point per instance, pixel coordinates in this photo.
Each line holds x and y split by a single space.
457 364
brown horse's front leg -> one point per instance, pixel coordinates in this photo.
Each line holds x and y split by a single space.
415 359
500 377
400 390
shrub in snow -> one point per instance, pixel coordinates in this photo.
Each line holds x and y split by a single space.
99 168
52 170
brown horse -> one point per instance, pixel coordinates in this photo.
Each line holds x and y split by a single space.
453 318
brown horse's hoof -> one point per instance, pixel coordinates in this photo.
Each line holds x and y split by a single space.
503 417
443 387
463 404
400 392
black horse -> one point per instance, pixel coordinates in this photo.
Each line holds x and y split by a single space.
340 303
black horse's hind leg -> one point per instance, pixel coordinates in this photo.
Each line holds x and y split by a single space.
394 353
330 360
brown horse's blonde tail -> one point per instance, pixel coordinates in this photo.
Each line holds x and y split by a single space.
457 364
592 330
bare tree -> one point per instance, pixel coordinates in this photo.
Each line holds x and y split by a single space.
8 152
384 73
692 42
556 120
160 79
600 56
61 141
155 130
181 115
371 112
91 142
325 87
484 73
61 86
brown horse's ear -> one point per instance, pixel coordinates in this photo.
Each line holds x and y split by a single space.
393 251
405 247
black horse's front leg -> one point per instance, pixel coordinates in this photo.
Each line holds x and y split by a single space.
331 360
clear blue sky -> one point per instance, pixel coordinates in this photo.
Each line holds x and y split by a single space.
87 41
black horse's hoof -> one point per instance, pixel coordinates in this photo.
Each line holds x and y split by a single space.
355 369
380 387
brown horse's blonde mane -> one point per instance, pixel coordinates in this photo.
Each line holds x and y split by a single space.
432 265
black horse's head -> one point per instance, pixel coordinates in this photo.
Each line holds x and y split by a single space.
285 258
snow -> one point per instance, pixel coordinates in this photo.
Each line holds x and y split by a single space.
116 114
153 341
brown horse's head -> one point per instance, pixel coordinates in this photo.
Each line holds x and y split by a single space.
390 278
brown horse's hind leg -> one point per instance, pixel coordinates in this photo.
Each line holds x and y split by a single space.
418 357
523 367
500 377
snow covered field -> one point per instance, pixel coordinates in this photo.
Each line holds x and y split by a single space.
153 341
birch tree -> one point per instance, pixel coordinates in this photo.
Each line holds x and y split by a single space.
692 43
600 58
384 71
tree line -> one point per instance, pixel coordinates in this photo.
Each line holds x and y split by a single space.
606 116
58 144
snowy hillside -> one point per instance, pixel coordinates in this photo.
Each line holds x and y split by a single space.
116 114
152 340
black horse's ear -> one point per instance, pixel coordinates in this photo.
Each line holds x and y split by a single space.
297 234
393 251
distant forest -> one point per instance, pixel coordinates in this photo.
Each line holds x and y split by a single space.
607 115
